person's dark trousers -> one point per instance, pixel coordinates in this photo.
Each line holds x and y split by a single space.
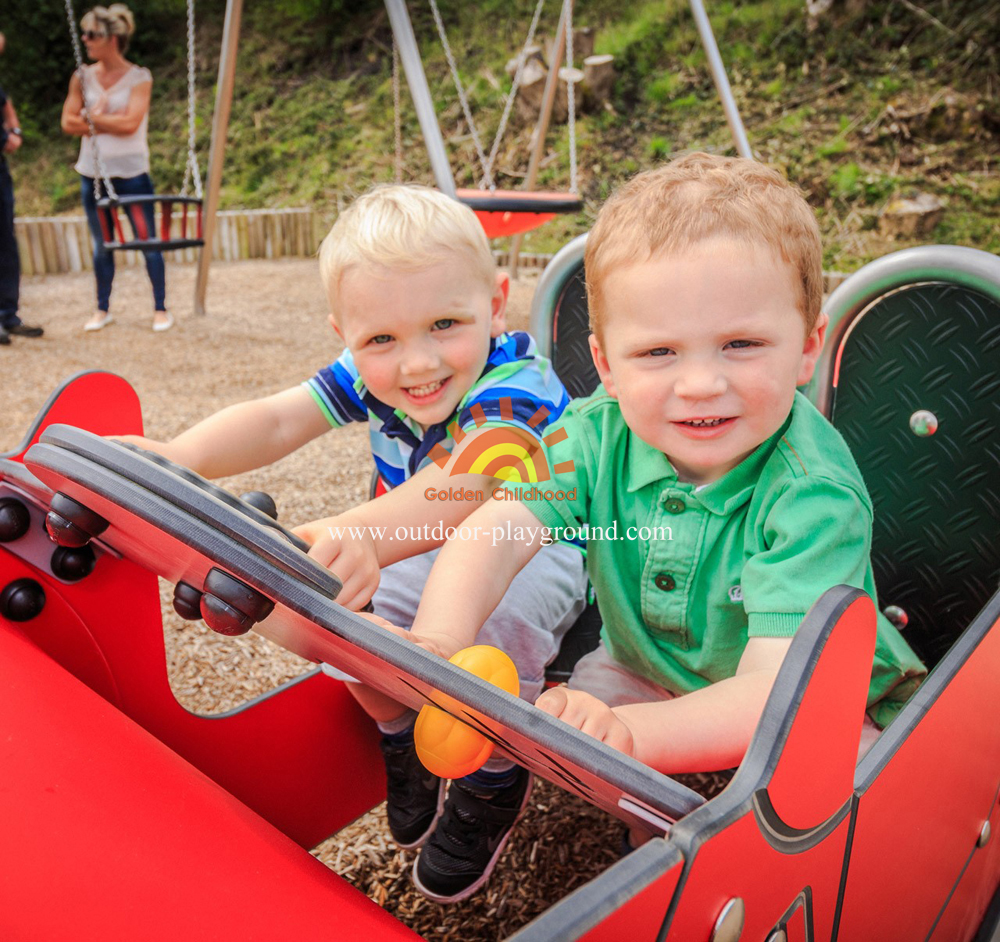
10 262
104 261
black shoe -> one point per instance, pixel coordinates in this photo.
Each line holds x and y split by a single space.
415 796
4 336
469 838
23 330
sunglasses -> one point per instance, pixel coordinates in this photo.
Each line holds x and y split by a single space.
91 34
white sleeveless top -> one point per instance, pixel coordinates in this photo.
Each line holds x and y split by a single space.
123 155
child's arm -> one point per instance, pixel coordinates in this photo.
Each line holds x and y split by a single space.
708 729
244 436
470 577
408 520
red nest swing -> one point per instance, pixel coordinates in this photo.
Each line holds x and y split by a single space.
501 212
510 212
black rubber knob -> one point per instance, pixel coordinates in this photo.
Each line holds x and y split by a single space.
238 594
72 563
69 523
15 520
22 600
231 607
263 502
187 601
223 618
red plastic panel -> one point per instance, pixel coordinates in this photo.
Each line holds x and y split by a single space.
919 820
102 403
739 863
640 917
305 758
60 631
967 906
822 745
107 834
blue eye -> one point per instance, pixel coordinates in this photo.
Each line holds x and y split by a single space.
444 323
743 344
381 338
659 352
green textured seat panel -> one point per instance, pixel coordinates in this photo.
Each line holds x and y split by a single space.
936 549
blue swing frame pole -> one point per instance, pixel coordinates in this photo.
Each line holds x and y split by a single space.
409 55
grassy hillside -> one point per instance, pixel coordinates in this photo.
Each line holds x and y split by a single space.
894 99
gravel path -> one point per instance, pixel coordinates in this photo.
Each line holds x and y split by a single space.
266 331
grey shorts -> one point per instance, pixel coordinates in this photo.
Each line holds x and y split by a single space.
542 603
600 675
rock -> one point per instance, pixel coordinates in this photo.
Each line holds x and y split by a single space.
910 217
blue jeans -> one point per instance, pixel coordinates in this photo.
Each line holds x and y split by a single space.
104 261
10 263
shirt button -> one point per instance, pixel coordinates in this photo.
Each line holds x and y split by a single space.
665 581
675 506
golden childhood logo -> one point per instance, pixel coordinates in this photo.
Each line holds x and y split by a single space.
509 453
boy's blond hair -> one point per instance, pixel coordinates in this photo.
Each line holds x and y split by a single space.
404 227
697 197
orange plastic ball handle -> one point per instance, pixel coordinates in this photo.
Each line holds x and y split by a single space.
447 746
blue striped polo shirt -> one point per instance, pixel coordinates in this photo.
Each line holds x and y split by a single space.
514 371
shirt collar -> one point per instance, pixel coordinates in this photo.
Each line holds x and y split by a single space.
648 465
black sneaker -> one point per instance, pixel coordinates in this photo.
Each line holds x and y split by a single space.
415 796
469 838
23 330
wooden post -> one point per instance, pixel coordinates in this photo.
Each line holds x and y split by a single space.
541 128
216 156
598 77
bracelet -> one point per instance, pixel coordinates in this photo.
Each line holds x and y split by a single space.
16 131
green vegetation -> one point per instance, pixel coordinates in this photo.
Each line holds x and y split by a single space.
858 109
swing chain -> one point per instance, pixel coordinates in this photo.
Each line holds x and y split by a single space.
81 72
571 99
191 169
522 60
487 177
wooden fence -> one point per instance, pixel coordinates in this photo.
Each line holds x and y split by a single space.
49 245
54 244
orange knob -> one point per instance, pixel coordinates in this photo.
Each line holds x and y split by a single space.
447 746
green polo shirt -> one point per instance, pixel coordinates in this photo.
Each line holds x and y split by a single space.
685 575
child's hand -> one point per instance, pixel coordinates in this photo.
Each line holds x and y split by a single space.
437 642
589 715
351 555
149 444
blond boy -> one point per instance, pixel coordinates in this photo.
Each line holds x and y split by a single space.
416 298
732 502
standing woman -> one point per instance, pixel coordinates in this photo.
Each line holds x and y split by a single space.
116 93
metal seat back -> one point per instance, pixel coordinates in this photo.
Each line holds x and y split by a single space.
911 379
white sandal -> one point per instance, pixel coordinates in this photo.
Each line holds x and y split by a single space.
163 325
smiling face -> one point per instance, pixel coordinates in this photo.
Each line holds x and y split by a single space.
420 339
703 350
